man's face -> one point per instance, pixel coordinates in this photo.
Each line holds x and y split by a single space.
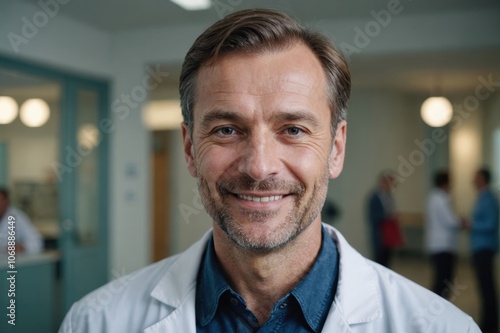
479 181
261 146
388 183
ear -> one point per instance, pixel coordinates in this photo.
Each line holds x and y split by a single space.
188 150
338 150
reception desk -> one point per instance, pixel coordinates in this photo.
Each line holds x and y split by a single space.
35 293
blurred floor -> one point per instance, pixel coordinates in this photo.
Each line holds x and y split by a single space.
464 295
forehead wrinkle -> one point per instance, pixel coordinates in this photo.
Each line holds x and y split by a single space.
287 83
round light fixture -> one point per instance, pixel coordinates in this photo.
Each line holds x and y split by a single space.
8 110
436 111
34 112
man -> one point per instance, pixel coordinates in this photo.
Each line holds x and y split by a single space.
381 208
27 238
442 229
264 128
484 243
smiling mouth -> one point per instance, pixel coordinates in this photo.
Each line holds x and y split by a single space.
260 199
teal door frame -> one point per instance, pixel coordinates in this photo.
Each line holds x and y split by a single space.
87 264
3 164
96 257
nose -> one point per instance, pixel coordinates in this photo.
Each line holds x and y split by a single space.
260 157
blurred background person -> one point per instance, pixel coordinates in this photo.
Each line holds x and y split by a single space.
484 244
27 237
381 209
442 229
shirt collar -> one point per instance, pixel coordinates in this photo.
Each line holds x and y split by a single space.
313 293
213 285
317 289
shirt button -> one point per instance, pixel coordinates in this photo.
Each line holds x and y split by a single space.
234 301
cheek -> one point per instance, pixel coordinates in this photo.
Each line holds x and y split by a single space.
307 165
214 163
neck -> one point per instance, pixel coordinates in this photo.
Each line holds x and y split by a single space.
262 279
482 188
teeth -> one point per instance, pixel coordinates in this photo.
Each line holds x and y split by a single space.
260 199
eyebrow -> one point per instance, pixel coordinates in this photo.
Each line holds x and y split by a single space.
218 114
299 115
281 116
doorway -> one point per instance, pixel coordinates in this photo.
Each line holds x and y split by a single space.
160 169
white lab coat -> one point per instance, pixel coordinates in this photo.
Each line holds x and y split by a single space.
442 223
26 233
369 299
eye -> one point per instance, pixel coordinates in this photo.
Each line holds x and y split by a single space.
293 131
225 131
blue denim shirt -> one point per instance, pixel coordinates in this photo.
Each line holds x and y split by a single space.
304 309
485 219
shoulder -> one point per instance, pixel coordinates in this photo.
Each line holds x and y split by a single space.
492 197
419 309
372 296
127 297
141 299
374 199
438 195
18 214
374 195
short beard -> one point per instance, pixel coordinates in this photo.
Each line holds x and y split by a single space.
296 221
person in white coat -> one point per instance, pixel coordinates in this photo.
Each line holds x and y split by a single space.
443 226
27 238
264 107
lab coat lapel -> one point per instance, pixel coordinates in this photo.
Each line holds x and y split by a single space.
335 322
182 319
177 289
358 298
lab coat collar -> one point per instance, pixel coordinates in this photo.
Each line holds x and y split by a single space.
357 300
177 290
180 278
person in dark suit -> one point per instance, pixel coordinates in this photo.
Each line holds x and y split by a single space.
485 242
380 208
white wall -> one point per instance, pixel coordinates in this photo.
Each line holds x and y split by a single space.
382 126
189 218
61 42
491 137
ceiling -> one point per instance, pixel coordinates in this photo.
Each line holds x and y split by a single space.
115 15
417 73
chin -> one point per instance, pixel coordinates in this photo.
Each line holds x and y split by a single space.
263 236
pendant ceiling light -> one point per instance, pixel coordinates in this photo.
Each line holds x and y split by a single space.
34 112
193 4
436 111
8 110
